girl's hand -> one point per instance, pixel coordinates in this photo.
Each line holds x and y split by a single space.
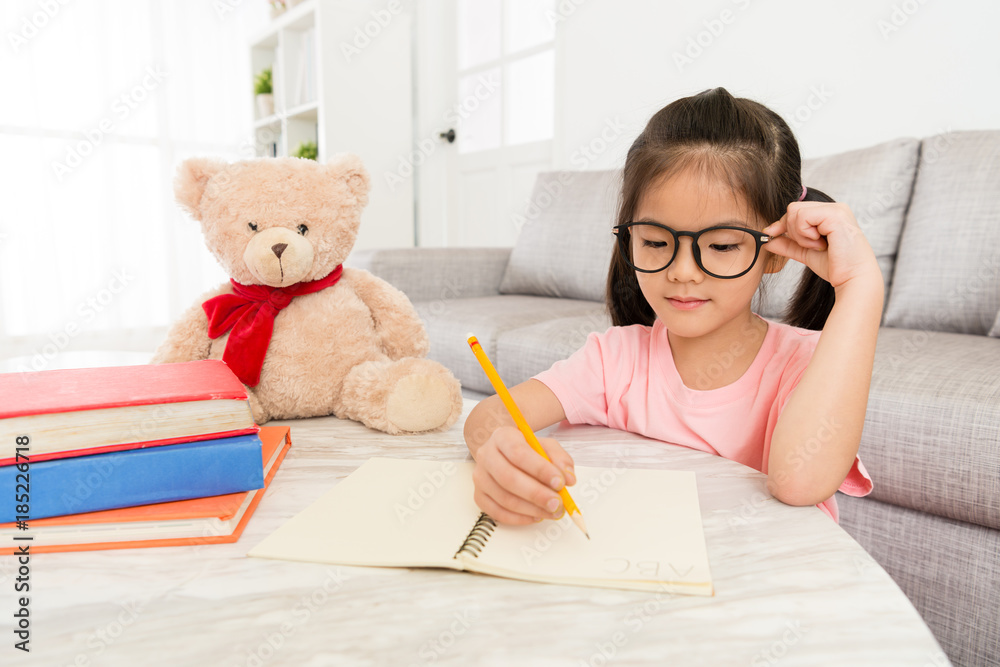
514 484
826 237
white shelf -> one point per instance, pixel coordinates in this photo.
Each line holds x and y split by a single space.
307 111
360 104
299 17
290 47
270 121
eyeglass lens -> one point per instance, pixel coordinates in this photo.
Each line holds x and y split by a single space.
724 252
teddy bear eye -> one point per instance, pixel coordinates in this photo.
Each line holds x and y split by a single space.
252 226
303 229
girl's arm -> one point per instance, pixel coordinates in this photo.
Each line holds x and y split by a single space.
513 483
818 433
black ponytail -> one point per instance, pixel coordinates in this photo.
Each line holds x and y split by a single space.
814 297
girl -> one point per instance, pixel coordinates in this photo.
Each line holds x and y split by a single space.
711 200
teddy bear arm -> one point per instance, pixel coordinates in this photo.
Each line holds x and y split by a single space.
399 328
187 339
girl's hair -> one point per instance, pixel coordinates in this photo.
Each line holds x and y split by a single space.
735 139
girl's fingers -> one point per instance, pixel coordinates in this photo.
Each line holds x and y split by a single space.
800 226
560 459
515 484
523 457
776 228
825 237
820 219
786 247
503 473
488 488
485 503
810 243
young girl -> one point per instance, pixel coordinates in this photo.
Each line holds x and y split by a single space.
712 199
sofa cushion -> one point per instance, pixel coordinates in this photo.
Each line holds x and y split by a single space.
995 330
527 351
876 183
931 440
948 569
948 270
449 321
565 246
426 274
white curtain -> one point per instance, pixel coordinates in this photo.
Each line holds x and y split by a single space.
101 100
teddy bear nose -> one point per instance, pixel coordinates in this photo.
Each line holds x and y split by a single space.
279 248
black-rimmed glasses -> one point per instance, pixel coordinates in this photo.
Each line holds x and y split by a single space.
721 252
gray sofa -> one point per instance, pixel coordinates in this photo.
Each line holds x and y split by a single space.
931 210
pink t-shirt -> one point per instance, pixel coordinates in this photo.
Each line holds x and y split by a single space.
625 379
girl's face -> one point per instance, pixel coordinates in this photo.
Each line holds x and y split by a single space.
691 303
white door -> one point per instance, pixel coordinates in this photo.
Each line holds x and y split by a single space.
485 69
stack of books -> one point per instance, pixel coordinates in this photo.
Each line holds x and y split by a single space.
119 457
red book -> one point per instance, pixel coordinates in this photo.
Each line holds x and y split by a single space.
212 520
79 411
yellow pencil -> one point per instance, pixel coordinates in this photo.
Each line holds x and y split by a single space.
522 425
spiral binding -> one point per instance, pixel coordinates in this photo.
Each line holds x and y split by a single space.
475 541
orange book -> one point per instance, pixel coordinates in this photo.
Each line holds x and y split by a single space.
212 520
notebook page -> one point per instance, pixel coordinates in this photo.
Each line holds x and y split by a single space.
645 528
388 512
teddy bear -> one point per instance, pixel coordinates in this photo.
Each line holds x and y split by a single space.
306 335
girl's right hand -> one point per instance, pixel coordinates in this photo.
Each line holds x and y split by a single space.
516 485
826 237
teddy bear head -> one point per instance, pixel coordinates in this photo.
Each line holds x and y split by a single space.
275 221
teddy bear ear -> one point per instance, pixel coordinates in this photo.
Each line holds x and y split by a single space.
192 177
349 168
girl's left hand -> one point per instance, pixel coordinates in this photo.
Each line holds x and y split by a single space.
826 237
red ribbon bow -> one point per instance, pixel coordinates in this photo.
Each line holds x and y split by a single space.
250 313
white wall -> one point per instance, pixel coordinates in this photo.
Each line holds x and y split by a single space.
873 70
434 99
367 91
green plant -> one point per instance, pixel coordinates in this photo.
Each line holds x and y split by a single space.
308 150
262 82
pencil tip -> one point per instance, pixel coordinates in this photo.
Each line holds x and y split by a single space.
578 520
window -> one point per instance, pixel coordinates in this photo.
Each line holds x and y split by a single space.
104 101
506 72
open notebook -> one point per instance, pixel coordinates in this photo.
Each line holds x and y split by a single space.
645 528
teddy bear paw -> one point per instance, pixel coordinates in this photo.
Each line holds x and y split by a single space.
419 403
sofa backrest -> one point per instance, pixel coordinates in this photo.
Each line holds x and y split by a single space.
947 275
565 245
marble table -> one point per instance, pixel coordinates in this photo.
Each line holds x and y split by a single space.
792 588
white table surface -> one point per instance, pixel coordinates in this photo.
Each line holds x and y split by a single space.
791 587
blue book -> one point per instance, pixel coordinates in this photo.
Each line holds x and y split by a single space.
132 477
